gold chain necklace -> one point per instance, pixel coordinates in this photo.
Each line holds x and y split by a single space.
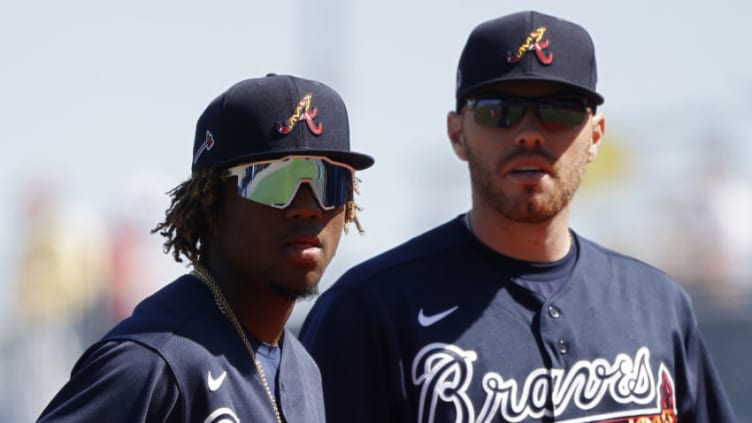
203 274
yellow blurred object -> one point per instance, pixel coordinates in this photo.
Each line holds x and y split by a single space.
611 165
63 265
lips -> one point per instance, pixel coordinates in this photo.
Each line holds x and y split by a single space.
526 169
305 250
528 166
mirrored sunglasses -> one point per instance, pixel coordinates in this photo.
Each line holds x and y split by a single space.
276 182
554 113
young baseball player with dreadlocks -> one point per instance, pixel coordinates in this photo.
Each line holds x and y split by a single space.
260 219
505 314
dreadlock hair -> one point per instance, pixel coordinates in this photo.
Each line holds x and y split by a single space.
195 213
351 210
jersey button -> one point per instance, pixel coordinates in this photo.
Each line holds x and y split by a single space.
563 347
554 312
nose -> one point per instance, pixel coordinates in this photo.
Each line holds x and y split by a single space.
305 205
529 132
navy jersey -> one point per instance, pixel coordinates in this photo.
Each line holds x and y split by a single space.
434 331
178 359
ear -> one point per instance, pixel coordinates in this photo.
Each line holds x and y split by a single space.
456 137
598 129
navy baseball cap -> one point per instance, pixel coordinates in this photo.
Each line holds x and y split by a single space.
272 117
528 46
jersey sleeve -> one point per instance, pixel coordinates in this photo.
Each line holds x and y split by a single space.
710 402
119 381
359 369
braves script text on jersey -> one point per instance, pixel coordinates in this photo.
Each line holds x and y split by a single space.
433 331
178 359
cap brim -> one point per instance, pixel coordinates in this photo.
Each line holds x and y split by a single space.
358 161
595 97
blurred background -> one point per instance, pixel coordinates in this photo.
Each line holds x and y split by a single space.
98 102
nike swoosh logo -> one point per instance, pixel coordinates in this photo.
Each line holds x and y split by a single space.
213 383
427 321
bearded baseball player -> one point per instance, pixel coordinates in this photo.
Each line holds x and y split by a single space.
505 313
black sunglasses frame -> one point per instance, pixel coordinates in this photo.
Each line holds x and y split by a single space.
566 110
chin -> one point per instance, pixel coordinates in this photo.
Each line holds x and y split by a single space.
294 293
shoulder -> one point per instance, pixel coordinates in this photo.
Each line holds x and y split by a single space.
181 325
168 311
424 250
113 357
111 373
378 287
598 255
626 272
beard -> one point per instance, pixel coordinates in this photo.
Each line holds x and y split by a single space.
294 293
530 204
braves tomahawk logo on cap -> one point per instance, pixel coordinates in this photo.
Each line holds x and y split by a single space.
527 46
534 42
302 112
273 117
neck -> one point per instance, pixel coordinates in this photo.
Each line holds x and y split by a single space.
260 310
539 242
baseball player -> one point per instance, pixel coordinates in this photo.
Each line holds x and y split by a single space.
259 219
505 314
